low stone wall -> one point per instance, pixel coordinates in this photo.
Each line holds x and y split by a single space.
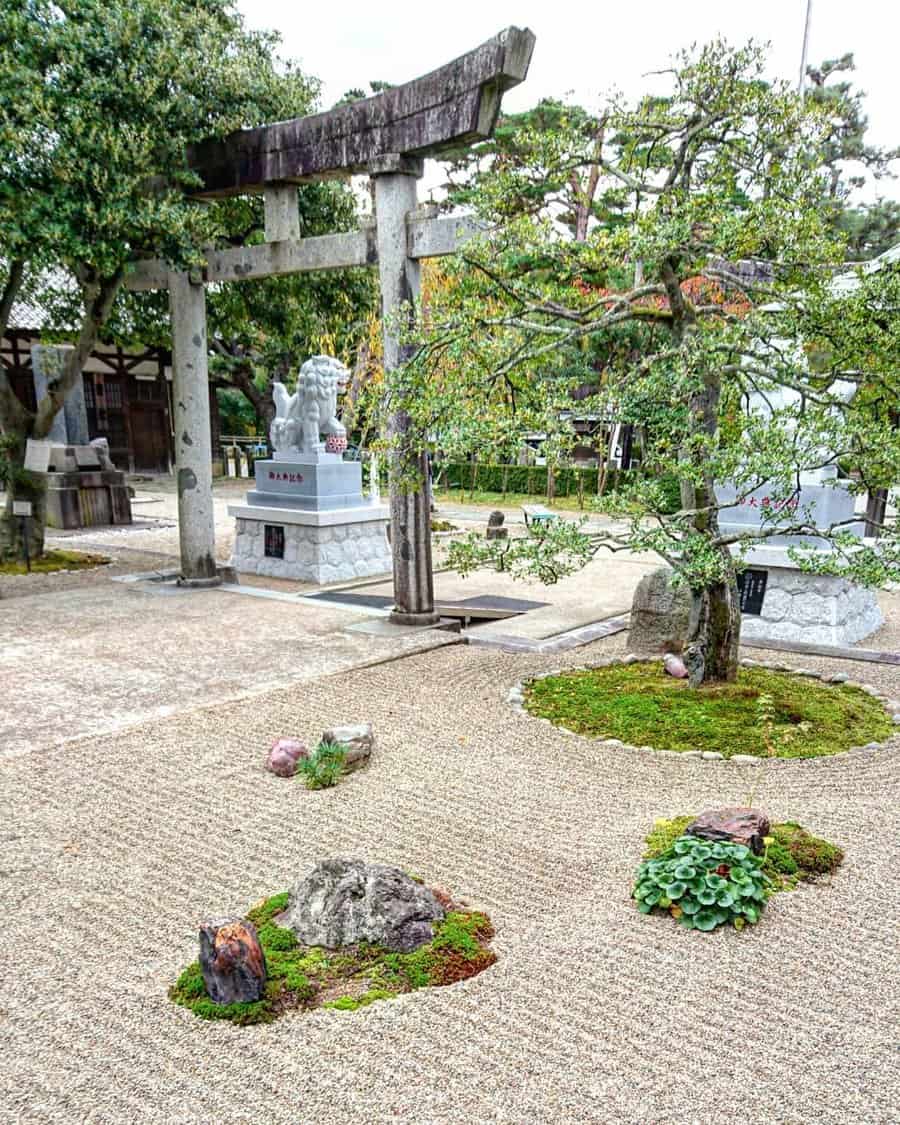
813 608
325 553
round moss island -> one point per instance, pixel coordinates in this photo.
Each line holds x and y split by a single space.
302 977
763 713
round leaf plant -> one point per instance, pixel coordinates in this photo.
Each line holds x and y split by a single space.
704 884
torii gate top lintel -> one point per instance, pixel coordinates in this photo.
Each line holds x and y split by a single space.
456 104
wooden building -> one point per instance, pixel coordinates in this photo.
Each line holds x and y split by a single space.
128 395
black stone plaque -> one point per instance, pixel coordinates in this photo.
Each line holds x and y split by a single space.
752 590
274 541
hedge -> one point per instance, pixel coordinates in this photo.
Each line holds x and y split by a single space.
531 480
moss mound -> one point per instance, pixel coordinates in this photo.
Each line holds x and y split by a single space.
792 853
54 560
640 704
305 977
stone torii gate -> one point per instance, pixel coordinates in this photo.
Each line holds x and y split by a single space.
387 137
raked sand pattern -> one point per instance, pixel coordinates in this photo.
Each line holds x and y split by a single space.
115 847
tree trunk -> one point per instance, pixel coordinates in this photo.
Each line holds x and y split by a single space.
711 652
21 485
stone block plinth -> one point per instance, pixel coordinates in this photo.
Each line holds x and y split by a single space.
812 608
335 545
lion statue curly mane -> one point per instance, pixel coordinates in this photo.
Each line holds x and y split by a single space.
311 410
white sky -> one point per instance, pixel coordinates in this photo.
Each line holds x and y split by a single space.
584 47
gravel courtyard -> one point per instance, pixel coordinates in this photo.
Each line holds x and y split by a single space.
115 847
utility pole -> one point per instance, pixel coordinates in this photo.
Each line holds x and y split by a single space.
801 85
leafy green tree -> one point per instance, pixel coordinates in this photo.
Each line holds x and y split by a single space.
98 102
848 160
732 226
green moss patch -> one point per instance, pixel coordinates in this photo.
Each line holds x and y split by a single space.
304 977
54 560
792 853
799 717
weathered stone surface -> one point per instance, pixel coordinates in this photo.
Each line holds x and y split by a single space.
675 666
660 614
740 825
495 528
345 901
453 105
284 756
357 741
232 961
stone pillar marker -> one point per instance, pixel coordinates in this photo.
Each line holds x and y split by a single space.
47 362
395 197
193 443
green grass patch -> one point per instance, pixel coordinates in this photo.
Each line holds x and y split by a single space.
54 560
642 705
304 977
792 855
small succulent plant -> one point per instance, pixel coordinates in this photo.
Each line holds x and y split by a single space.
704 884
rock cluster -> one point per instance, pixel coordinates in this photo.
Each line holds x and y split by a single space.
345 901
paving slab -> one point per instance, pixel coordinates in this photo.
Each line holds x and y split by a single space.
105 655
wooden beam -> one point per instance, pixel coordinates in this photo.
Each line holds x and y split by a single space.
426 238
454 105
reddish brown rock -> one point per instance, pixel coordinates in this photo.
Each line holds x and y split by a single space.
739 825
284 755
232 961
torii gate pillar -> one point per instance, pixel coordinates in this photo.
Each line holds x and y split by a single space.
193 447
395 197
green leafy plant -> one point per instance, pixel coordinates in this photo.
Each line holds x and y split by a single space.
324 767
704 884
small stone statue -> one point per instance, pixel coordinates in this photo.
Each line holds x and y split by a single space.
495 528
311 410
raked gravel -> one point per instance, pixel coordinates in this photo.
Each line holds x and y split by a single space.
115 847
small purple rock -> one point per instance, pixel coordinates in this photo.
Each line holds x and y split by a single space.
675 666
284 755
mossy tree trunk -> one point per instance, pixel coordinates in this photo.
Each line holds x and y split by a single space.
711 651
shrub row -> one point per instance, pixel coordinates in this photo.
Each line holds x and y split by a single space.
531 480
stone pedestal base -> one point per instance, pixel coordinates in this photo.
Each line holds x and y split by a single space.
92 499
334 545
812 608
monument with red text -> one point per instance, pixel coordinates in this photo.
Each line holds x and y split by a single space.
307 517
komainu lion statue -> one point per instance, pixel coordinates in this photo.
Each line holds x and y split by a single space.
311 410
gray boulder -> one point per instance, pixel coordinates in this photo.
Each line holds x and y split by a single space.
345 901
660 614
356 740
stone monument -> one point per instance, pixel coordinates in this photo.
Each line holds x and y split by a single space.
83 486
307 518
779 601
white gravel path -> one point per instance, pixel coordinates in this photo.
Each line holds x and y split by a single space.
114 848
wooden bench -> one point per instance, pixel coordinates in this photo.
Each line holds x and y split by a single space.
537 516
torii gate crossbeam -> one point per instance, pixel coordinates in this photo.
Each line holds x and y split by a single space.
386 136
